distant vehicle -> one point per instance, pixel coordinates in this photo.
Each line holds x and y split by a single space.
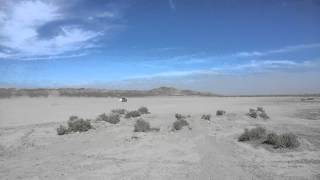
123 99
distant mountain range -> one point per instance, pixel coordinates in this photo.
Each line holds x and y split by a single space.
89 92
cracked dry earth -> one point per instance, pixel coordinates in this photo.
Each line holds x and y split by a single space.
31 149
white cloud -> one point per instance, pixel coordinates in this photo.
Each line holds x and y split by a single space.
280 50
251 66
176 73
18 31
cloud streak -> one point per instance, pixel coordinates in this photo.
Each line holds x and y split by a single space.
248 67
280 50
19 32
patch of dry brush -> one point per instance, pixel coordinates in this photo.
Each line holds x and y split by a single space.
75 124
143 126
180 122
112 118
259 112
206 117
286 140
132 114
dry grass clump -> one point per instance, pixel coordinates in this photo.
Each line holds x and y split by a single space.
112 118
143 110
180 116
119 111
75 124
61 130
206 117
286 140
252 134
179 124
132 114
272 139
220 112
259 112
143 126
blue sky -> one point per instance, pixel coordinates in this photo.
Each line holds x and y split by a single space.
229 47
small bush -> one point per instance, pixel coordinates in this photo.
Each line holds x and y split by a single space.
264 115
288 140
119 111
102 117
180 116
260 109
132 114
112 118
179 124
253 113
143 110
141 126
272 139
78 125
206 117
253 134
220 113
73 118
259 112
61 130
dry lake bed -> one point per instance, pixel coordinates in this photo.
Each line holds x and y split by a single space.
209 149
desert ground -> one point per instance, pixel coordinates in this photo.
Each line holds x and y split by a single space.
31 149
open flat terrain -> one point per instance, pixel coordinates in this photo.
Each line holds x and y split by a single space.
31 149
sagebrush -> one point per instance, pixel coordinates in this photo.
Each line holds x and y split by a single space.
206 117
179 124
143 110
252 134
78 125
75 124
112 118
286 140
119 111
132 114
220 112
141 126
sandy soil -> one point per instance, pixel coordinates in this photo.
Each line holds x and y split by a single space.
31 149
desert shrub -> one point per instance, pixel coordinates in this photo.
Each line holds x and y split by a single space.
206 117
131 114
180 116
179 124
61 130
288 140
78 125
260 109
112 118
154 129
220 113
73 118
264 115
259 112
119 111
141 126
253 113
102 117
143 110
252 134
272 139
